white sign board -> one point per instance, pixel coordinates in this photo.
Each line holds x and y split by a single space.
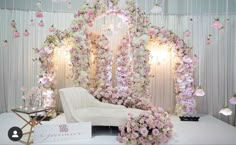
62 132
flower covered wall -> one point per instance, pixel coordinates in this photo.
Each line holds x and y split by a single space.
133 83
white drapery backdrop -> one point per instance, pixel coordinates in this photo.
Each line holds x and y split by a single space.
217 65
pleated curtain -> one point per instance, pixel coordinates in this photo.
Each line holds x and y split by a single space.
216 72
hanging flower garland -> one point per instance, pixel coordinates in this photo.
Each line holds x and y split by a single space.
124 70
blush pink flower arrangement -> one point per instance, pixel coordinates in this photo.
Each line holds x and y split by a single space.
233 100
150 127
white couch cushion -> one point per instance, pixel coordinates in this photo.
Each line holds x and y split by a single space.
105 116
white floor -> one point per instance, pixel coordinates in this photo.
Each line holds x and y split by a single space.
208 130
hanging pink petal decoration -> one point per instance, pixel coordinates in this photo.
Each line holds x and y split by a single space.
208 41
187 33
216 24
41 24
52 29
26 33
195 59
16 34
5 43
32 23
13 23
233 100
38 14
69 6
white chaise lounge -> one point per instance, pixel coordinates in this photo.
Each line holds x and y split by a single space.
80 106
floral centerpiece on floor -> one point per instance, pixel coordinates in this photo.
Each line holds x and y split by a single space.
150 127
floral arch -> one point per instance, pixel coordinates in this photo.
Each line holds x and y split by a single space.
132 88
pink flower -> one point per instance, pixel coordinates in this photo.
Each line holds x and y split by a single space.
164 139
52 29
152 31
135 135
16 34
155 132
5 43
216 24
26 33
119 138
187 33
38 14
195 59
90 24
69 6
233 100
13 23
41 24
208 41
90 12
144 131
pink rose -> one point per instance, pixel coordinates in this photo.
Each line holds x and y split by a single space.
144 131
90 12
155 132
233 100
135 135
152 31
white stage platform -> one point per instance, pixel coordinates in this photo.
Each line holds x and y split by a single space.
208 130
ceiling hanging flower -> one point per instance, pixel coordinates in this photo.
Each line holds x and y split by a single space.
39 4
38 14
226 111
233 100
69 6
16 34
187 33
13 23
41 24
199 92
52 29
5 43
216 24
157 9
26 33
208 41
32 23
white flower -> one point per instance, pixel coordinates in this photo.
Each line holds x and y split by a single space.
225 111
48 93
